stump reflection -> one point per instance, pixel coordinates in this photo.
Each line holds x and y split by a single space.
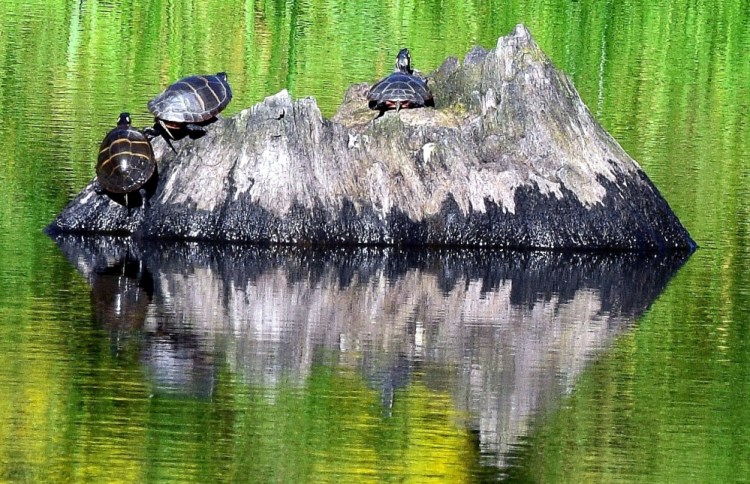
513 329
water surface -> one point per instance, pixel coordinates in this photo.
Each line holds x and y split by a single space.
120 361
327 364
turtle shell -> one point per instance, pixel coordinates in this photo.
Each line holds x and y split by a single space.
126 160
402 89
193 99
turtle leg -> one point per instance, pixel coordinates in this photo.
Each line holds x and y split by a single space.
195 131
169 142
144 199
165 131
151 132
159 129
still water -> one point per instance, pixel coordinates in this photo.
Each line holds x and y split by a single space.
133 362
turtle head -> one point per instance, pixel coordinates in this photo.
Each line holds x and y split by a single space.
222 76
124 119
403 61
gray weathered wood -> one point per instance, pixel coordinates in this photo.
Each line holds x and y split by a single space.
509 157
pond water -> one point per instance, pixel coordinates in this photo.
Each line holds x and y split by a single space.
125 361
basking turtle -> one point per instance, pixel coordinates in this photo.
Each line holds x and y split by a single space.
126 160
400 90
190 103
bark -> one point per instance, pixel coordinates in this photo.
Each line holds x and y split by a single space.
509 157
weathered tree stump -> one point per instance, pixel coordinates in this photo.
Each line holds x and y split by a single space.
510 157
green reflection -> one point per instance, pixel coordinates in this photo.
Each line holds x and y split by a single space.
668 79
667 403
96 419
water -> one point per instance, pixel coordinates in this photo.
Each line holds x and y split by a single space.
146 362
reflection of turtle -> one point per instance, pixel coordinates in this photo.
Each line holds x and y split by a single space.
402 89
121 295
126 160
190 103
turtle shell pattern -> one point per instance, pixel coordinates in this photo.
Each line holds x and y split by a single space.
408 90
193 99
126 160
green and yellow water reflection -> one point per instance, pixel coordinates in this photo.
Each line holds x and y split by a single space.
666 402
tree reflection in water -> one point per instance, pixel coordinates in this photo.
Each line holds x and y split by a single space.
515 328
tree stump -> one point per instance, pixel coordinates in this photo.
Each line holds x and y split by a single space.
509 157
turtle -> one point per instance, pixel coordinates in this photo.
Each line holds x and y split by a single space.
189 104
126 160
400 90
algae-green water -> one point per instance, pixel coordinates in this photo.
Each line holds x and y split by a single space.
131 362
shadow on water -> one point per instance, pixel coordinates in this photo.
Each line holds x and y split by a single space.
513 329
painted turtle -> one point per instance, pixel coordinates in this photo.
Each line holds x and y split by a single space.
400 90
126 160
190 103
